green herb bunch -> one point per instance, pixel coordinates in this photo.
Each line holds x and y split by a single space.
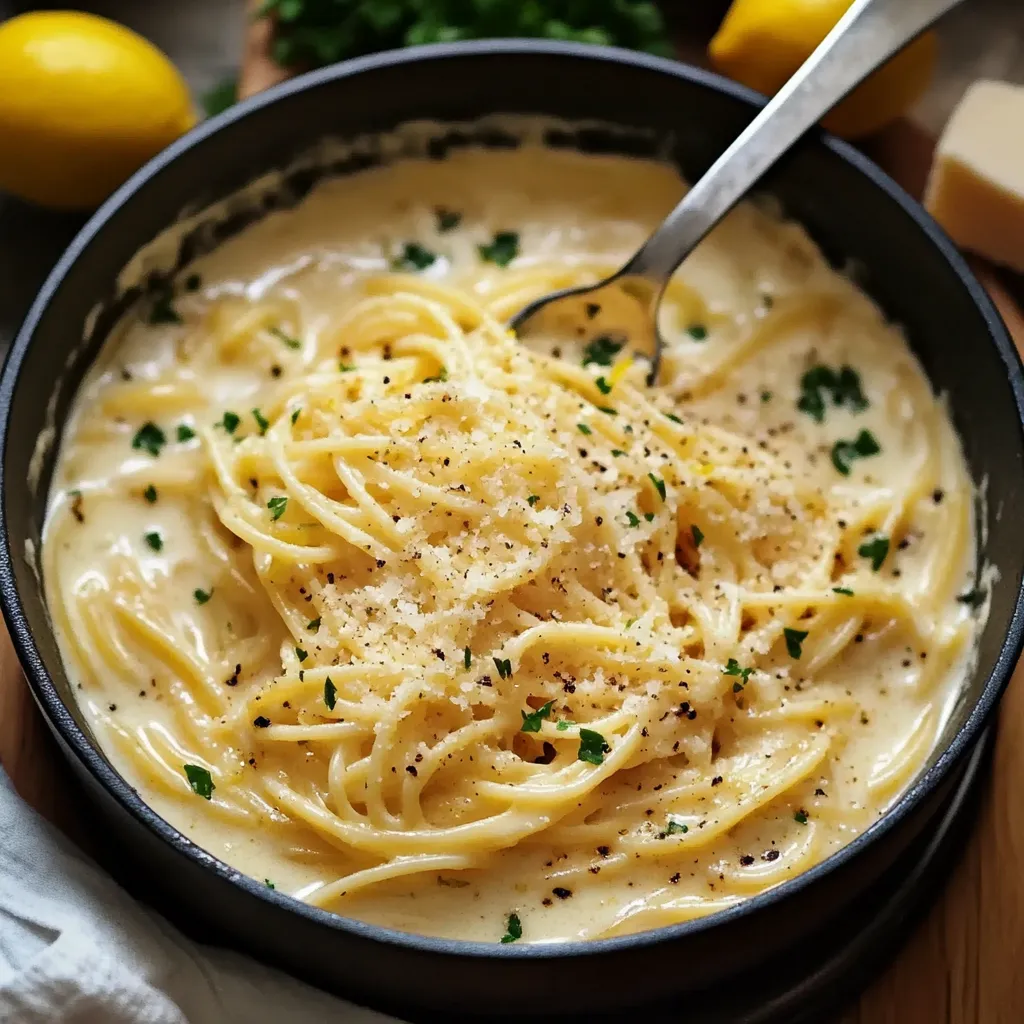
315 32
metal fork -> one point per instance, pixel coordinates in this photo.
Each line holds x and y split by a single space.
865 37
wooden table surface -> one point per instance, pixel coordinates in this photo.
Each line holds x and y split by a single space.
964 963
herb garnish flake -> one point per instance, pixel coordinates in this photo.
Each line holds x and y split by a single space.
794 641
200 780
149 438
414 257
532 721
502 249
513 929
876 549
593 747
845 452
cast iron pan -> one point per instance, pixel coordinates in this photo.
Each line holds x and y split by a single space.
860 218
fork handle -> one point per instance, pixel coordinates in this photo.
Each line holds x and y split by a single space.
864 38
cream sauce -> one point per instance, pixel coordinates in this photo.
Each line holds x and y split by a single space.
753 272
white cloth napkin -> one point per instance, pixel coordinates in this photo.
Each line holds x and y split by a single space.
76 948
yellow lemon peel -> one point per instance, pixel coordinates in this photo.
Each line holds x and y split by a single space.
619 370
761 43
84 102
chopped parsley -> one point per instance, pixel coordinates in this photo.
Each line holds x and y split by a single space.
149 438
504 667
230 421
414 257
261 421
876 549
800 817
314 625
277 507
697 331
200 780
633 519
447 220
732 668
698 535
185 433
155 541
344 367
766 396
288 339
532 721
649 516
673 417
603 386
150 494
820 382
593 747
162 311
842 590
844 452
602 351
659 484
617 452
330 694
607 410
502 249
269 884
467 657
441 377
584 429
311 33
513 929
794 639
533 499
301 654
564 725
296 413
674 827
202 596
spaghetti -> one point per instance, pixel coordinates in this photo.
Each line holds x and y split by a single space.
437 630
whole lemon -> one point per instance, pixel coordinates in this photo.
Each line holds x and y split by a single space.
761 43
84 102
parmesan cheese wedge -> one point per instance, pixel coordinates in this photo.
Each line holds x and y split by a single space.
976 187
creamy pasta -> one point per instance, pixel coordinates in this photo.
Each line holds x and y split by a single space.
469 637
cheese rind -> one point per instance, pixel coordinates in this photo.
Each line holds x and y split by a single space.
976 187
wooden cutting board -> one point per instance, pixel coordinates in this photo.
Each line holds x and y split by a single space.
965 962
